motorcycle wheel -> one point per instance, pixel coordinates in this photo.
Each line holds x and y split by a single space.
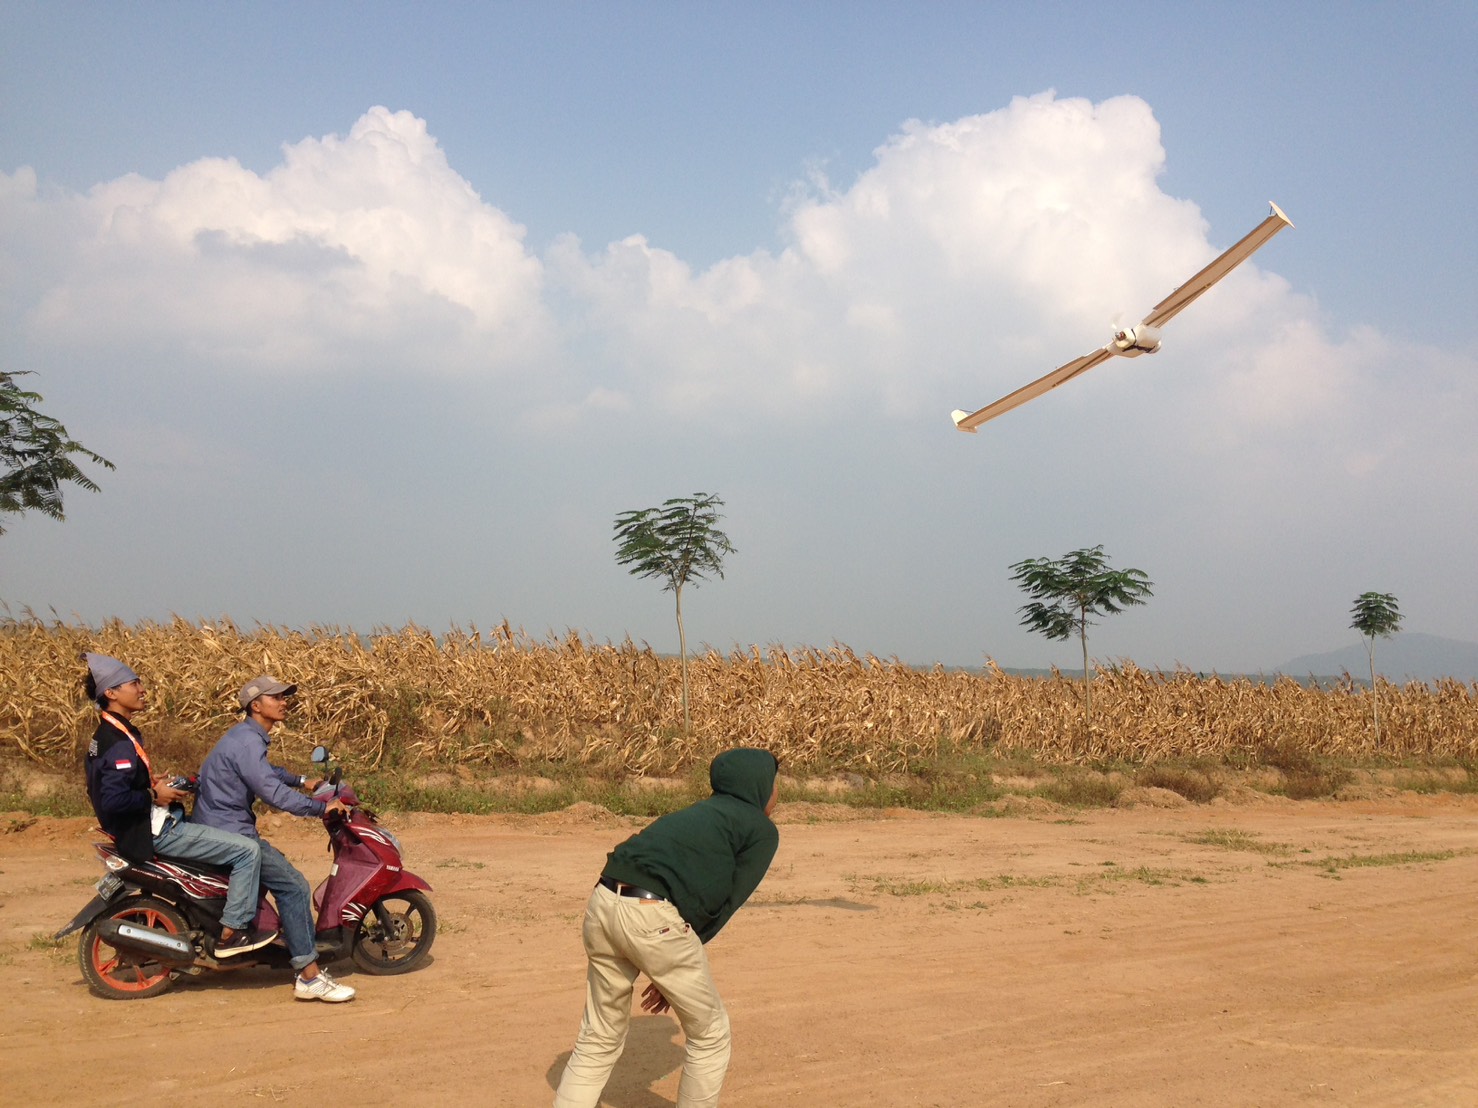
124 975
400 942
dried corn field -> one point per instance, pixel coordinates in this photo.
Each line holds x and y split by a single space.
503 699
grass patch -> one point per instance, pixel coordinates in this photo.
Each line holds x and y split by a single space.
923 796
1144 875
1335 863
399 793
59 802
1112 874
885 885
953 781
42 943
1231 839
1429 780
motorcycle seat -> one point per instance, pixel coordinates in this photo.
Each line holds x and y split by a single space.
214 868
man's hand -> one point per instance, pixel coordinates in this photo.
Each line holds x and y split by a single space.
336 805
167 794
313 785
653 1001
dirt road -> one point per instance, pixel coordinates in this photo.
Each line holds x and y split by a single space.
1276 954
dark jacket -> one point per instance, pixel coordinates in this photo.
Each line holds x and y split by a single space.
118 784
710 856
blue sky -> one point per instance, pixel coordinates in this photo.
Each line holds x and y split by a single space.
385 311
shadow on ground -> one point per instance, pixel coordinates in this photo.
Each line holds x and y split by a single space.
652 1052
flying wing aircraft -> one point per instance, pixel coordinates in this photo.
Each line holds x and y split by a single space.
1144 338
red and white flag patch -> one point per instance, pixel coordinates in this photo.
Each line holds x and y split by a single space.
123 763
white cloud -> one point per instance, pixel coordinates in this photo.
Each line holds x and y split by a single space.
973 255
359 250
970 258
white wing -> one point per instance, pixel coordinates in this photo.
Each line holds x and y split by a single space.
1234 256
1162 313
968 421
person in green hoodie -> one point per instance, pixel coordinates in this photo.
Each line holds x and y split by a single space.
663 894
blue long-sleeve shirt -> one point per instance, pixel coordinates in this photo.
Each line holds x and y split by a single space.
236 772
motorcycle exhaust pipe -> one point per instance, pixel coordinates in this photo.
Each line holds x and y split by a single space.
170 950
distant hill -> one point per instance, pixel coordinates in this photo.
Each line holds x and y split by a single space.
1406 656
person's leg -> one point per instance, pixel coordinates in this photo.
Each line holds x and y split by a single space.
294 905
295 908
674 958
198 843
609 977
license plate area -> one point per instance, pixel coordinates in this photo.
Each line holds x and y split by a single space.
108 884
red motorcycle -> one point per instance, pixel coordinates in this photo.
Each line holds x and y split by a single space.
151 923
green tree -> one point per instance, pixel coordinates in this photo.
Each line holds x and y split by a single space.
35 455
1065 592
676 543
1375 614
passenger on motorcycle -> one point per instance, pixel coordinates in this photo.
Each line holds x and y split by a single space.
145 815
236 773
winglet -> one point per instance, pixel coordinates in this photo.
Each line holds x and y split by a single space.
958 415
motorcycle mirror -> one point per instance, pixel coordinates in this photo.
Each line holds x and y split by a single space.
320 754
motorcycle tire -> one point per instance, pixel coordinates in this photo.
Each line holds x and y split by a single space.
400 941
123 975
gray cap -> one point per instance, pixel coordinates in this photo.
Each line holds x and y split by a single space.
264 686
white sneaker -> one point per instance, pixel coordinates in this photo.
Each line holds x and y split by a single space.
322 987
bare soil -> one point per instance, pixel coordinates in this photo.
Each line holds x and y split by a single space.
1267 953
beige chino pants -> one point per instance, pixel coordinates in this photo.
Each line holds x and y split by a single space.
625 937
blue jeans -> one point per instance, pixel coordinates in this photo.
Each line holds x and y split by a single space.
197 843
294 904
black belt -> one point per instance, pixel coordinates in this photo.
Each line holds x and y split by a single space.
620 888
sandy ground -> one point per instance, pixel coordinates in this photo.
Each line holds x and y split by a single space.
1273 954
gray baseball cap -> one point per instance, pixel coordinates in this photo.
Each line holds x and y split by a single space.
264 686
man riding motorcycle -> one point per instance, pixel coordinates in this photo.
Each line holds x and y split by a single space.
233 775
144 814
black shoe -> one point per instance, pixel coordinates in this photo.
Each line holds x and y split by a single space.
244 941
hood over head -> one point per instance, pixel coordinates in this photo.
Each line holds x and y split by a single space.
107 672
746 773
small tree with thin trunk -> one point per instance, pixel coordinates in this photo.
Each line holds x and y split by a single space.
35 455
1066 591
1375 614
676 543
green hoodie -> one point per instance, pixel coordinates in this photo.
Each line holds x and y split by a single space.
708 857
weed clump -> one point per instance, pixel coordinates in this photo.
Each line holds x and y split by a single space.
1306 775
1082 789
1194 785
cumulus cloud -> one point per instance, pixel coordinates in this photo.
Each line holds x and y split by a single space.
353 251
972 256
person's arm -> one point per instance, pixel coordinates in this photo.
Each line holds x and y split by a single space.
751 863
266 783
288 777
